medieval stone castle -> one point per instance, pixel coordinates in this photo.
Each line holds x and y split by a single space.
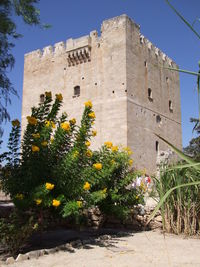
124 75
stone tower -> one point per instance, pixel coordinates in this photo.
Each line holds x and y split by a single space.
122 73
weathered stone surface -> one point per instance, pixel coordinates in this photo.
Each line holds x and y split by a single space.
10 260
116 71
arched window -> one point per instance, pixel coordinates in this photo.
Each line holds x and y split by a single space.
77 91
150 95
170 106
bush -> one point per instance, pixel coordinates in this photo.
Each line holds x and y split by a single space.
59 174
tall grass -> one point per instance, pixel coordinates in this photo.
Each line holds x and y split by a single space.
181 209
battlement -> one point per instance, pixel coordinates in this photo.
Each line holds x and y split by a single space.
79 50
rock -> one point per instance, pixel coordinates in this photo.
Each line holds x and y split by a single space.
105 237
76 243
69 248
21 257
35 254
10 260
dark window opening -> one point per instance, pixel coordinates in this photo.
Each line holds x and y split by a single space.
113 92
170 106
158 119
157 146
125 91
82 78
167 79
42 98
77 91
150 95
145 63
95 84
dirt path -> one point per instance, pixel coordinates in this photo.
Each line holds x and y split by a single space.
149 249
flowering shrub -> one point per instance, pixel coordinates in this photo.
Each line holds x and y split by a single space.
58 172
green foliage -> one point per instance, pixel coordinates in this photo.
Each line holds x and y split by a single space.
57 173
30 15
15 231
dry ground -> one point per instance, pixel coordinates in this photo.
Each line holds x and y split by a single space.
149 249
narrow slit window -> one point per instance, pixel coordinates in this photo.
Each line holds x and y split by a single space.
158 119
157 146
170 106
150 95
77 90
145 64
42 98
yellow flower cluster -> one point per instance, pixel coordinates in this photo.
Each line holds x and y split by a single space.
15 123
108 144
49 186
94 133
36 135
73 121
86 186
59 97
44 143
79 203
104 190
130 162
38 201
35 148
92 115
50 124
87 143
75 154
88 104
115 148
19 196
88 153
128 150
51 140
31 120
65 126
97 166
56 202
48 94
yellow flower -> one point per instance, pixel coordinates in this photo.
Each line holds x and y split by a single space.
87 143
16 123
48 94
86 186
35 148
79 203
112 161
75 154
59 97
92 115
88 104
73 121
128 150
65 126
144 171
108 144
38 201
36 135
31 120
49 186
56 202
104 190
47 123
89 153
51 140
97 166
53 124
94 133
115 148
19 196
44 143
136 197
130 162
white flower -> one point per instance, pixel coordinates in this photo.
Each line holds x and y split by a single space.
138 181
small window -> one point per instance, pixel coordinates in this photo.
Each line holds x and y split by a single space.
113 92
150 95
170 106
157 146
77 91
42 98
158 119
145 64
167 79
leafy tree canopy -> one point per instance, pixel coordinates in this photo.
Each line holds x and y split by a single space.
31 16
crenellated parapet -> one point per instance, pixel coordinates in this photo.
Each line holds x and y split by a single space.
157 51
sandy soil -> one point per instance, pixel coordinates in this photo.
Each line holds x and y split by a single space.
138 249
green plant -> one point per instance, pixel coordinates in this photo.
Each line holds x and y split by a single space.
58 174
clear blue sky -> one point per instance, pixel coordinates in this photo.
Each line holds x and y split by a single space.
72 19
